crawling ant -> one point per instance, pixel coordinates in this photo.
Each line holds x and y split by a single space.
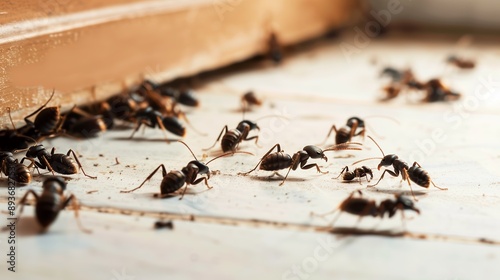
188 175
437 91
250 99
51 202
152 118
359 172
414 173
14 170
361 207
79 123
279 160
185 97
14 139
233 137
345 133
460 62
48 121
348 131
400 80
60 163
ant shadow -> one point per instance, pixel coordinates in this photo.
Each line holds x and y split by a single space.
144 139
395 191
272 178
25 227
350 231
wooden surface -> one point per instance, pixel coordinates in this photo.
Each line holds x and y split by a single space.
71 48
247 227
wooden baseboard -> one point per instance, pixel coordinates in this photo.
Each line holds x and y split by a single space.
72 47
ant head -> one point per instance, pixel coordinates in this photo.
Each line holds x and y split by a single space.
173 125
406 203
250 124
34 150
367 170
315 152
57 184
358 121
202 167
387 161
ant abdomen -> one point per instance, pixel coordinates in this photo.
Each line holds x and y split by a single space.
47 209
419 176
230 140
173 181
276 161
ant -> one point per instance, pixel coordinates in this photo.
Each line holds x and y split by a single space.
47 122
279 160
188 175
60 163
51 202
401 79
14 170
359 172
363 207
13 139
275 49
436 91
414 173
347 132
460 62
185 97
231 138
79 123
152 118
250 99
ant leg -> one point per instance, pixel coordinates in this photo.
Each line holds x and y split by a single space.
223 131
184 117
404 174
141 123
79 164
346 169
309 166
76 207
392 173
278 148
256 140
205 179
183 192
333 128
353 130
163 129
275 173
164 173
293 165
23 200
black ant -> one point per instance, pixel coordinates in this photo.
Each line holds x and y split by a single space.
361 207
152 118
460 62
14 170
233 137
279 160
185 97
60 163
47 122
350 129
79 123
188 175
14 139
359 172
249 99
414 173
436 91
51 202
275 49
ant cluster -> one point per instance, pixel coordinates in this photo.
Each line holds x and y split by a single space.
157 106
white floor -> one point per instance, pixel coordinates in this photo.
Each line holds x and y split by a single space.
248 227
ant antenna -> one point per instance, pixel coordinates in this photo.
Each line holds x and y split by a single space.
227 154
371 157
188 148
343 146
10 117
377 145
